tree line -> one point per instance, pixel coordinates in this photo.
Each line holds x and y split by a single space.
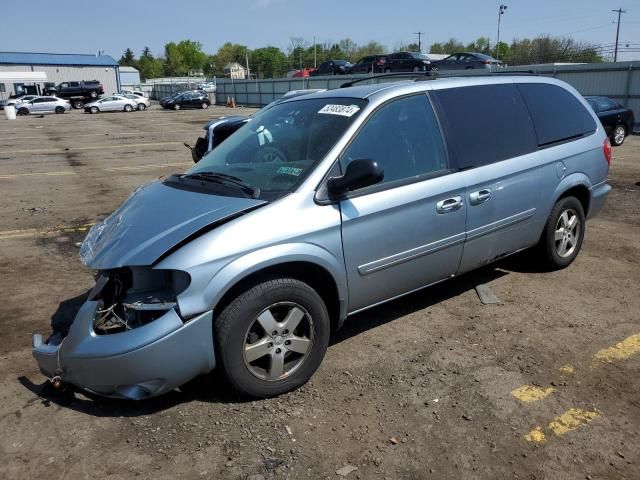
188 57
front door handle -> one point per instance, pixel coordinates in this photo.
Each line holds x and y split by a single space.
449 205
481 196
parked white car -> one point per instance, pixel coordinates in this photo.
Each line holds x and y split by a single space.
141 102
208 87
17 101
113 103
43 105
133 92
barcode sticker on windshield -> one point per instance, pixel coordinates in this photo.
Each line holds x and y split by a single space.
343 110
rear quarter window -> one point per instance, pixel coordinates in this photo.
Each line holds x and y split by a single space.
557 114
485 123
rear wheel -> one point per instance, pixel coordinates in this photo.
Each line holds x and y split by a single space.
618 135
563 234
59 110
176 107
205 105
272 338
23 111
93 94
141 106
128 108
78 104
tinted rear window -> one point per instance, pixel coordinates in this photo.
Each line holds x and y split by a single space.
557 114
486 123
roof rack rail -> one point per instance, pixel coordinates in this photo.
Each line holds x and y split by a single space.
434 74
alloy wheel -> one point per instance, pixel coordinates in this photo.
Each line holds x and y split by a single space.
618 135
567 233
278 341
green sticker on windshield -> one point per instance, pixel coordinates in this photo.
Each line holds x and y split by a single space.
290 171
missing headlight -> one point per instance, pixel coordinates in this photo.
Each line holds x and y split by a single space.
131 297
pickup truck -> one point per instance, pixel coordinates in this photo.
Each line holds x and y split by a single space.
77 92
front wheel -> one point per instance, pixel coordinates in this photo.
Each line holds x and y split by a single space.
204 105
23 111
128 108
272 338
176 107
93 94
94 110
563 234
618 135
77 104
416 68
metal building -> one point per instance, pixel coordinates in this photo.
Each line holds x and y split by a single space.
59 67
129 76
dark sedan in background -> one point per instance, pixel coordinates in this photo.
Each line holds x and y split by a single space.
196 99
617 120
332 67
370 64
467 61
407 62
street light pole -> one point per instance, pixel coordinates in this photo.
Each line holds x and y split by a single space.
501 11
419 34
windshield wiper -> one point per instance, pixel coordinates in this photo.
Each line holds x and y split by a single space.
225 179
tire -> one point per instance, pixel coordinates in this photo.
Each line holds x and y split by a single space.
176 107
204 105
95 110
416 69
22 111
387 70
618 135
141 107
77 104
128 108
93 94
434 68
59 110
560 243
271 303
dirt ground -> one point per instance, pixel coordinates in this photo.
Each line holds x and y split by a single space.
435 385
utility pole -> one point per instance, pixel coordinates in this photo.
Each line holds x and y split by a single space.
620 12
315 57
419 40
246 57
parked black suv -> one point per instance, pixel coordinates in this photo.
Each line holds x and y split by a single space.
407 62
180 100
370 64
332 67
617 120
78 92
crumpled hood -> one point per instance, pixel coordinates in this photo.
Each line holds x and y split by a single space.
153 220
230 120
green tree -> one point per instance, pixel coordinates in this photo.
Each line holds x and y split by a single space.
149 66
229 53
184 57
128 58
449 47
268 62
370 48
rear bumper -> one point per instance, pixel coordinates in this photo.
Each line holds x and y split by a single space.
136 364
599 194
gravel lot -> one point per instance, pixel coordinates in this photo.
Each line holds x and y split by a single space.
435 385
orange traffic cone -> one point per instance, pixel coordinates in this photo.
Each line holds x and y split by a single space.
228 102
233 102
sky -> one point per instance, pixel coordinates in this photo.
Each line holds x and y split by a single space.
72 27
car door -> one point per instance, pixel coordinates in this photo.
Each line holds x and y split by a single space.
48 105
407 231
36 106
109 104
492 139
608 113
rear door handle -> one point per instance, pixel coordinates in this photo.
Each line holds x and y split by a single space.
481 196
449 205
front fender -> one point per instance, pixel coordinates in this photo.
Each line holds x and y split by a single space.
239 268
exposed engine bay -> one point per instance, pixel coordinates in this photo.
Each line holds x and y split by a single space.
131 297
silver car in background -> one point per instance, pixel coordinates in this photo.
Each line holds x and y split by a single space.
43 105
142 103
320 207
112 103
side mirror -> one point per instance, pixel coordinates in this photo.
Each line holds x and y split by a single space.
360 173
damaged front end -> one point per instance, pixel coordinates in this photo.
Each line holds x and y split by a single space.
129 339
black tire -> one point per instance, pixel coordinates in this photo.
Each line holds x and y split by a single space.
204 105
59 110
128 108
433 68
141 106
22 111
233 330
548 245
77 104
94 110
416 68
618 135
93 94
176 107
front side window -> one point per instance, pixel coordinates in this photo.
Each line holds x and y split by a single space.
486 123
281 145
403 138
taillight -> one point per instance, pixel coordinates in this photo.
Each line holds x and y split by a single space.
486 62
606 148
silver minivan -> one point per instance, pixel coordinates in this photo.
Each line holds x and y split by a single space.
320 207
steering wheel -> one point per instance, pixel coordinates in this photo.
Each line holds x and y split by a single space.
269 154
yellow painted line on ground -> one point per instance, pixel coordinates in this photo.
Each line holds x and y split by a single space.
91 147
620 351
570 420
531 393
30 232
38 174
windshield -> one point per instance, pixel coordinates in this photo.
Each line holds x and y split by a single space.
420 56
281 145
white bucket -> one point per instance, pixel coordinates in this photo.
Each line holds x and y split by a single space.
10 112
